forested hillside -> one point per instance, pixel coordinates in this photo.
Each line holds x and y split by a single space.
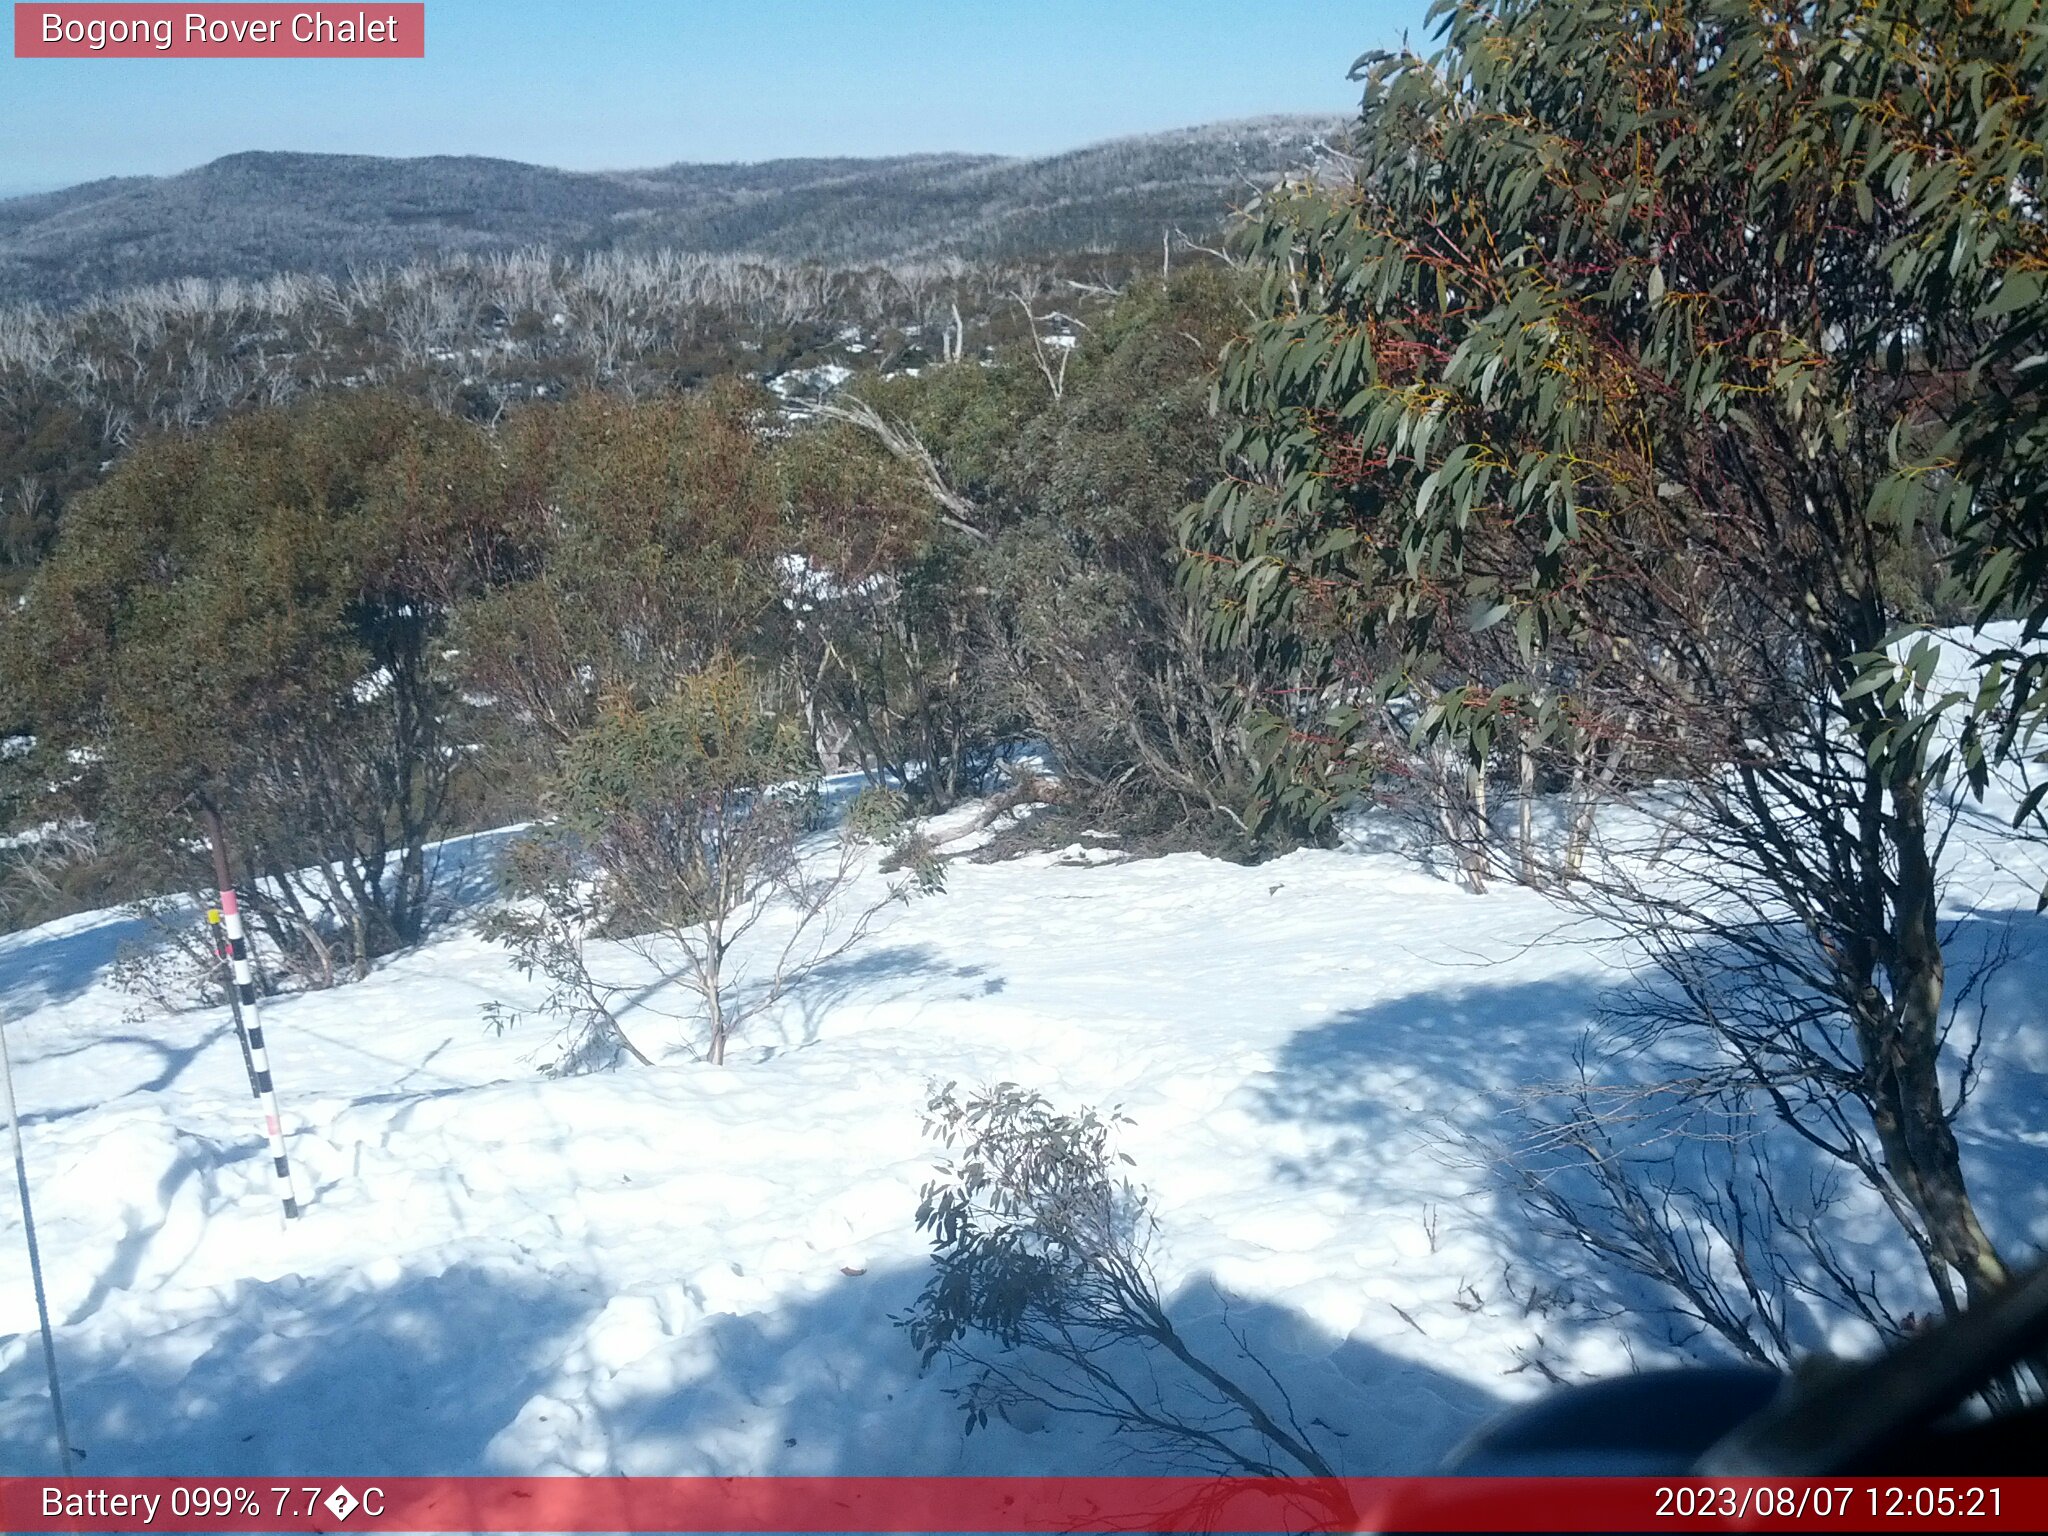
253 215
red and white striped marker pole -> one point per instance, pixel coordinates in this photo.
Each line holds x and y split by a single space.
259 1055
217 940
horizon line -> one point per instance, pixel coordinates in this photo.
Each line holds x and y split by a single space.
22 191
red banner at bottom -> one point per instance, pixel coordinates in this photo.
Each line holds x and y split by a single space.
997 1504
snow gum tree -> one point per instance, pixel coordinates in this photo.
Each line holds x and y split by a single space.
885 601
1613 408
646 536
242 627
992 556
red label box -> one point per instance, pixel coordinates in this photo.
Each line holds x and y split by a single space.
1023 1506
367 29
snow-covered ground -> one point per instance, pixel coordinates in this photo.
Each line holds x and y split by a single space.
694 1270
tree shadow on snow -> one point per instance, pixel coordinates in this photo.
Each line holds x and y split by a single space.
171 1062
2003 1126
306 1377
493 1370
873 977
829 1385
1390 1097
39 969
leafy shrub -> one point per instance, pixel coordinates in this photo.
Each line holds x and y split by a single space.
1042 1289
683 831
877 814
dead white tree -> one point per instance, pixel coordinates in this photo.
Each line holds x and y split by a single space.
1053 352
903 444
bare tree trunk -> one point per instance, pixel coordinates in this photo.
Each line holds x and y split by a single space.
1478 855
1592 781
1901 1047
711 982
715 1051
217 845
359 930
1527 807
321 952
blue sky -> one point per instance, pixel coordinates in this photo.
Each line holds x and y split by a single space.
617 83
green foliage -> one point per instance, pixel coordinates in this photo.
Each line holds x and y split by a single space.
248 620
1042 1288
1654 344
551 909
1612 273
886 611
1064 621
690 803
1029 1220
646 538
681 830
1096 644
877 814
717 734
915 853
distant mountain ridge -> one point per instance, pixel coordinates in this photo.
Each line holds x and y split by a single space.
249 215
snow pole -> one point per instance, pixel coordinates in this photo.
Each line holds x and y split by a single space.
216 938
35 1262
259 1054
242 989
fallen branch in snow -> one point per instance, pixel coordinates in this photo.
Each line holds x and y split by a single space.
1028 790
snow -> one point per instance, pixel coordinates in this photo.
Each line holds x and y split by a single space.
808 583
694 1270
810 382
35 836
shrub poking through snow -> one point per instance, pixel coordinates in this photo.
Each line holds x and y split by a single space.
881 816
547 927
1042 1290
878 814
685 834
168 967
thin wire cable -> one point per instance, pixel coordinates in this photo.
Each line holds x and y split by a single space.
35 1262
